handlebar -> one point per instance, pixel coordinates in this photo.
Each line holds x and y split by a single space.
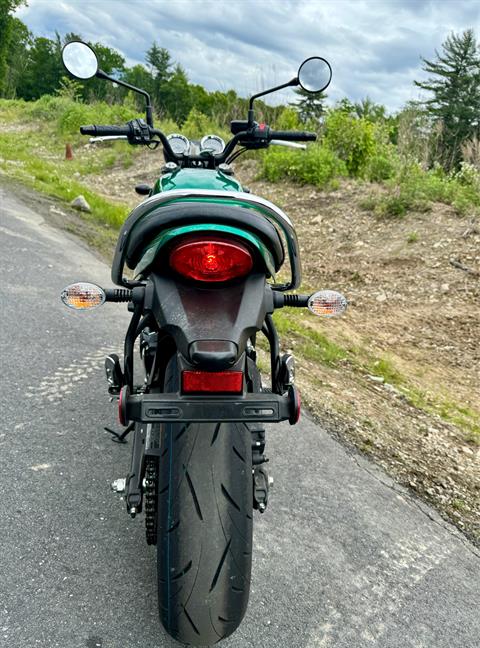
292 136
138 131
105 131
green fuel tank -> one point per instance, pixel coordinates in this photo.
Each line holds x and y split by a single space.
196 179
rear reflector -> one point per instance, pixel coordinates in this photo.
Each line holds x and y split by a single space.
212 259
220 382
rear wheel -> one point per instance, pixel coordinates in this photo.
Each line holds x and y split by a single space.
204 544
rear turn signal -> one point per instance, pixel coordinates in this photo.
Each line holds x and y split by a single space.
327 303
219 382
212 259
83 295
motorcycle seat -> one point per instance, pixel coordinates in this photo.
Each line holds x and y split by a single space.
178 214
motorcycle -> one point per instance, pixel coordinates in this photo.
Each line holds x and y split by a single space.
202 255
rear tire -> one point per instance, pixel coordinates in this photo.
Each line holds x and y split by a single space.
204 548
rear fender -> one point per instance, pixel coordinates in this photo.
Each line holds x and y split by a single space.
210 326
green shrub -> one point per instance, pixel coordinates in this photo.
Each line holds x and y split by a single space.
351 139
381 167
317 165
67 115
288 120
197 125
168 126
76 114
413 188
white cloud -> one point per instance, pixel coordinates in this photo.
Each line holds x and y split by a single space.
374 46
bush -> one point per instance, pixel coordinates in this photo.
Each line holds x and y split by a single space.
351 139
412 188
317 165
197 125
381 167
288 120
76 114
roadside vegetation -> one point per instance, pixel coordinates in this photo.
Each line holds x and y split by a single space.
387 209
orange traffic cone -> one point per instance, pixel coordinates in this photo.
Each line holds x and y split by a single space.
68 152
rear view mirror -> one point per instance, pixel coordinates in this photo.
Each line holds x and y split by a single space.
314 74
80 60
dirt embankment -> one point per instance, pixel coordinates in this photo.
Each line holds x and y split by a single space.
408 393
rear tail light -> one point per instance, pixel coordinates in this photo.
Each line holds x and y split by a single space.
220 382
212 259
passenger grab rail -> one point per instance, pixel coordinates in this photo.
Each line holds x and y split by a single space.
275 215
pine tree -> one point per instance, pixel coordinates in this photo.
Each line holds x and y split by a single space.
160 63
369 110
177 96
454 103
309 105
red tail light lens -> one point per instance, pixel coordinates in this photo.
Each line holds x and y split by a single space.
220 382
212 259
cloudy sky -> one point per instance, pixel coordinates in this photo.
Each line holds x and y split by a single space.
374 46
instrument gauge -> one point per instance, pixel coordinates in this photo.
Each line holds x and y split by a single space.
212 143
179 144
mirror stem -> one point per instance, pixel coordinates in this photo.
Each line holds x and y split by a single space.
293 82
149 111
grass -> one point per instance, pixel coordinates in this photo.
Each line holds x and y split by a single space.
312 345
414 189
36 157
54 179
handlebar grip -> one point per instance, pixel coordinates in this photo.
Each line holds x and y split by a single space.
293 136
103 131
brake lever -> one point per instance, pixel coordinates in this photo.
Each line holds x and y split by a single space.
106 138
294 145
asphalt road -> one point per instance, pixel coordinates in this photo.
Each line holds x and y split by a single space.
343 558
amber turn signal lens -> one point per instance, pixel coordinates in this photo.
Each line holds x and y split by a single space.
81 296
327 303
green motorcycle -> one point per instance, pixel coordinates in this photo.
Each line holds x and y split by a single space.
202 256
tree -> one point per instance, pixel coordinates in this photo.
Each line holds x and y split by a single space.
112 63
369 110
17 56
454 102
140 77
7 25
309 105
160 63
177 95
44 69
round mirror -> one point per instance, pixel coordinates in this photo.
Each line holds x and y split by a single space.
80 60
314 74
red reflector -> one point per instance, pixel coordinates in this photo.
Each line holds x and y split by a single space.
212 381
212 259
